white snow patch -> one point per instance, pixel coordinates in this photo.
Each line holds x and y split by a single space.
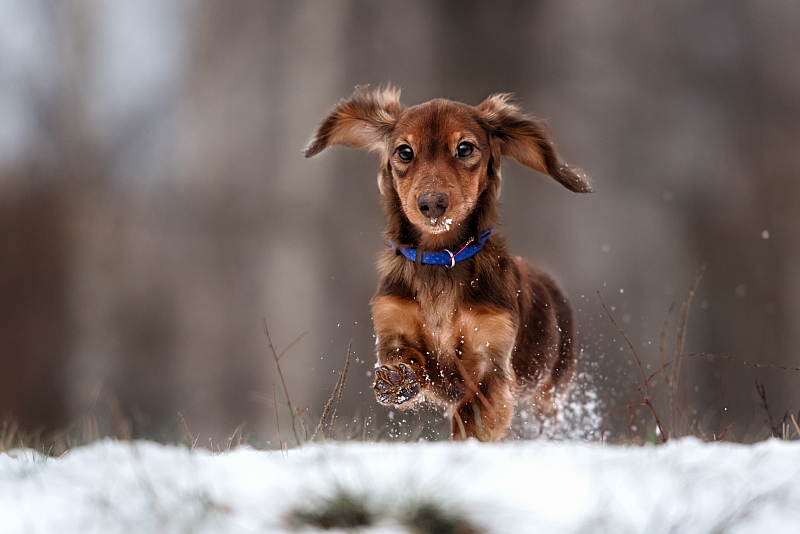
526 486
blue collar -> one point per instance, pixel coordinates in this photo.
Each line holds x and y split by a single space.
445 257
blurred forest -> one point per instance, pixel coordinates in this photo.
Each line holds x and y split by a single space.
155 205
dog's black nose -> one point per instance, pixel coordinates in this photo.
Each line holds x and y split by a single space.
433 205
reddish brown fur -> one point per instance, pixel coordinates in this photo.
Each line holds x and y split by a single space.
493 330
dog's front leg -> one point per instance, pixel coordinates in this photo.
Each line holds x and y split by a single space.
400 374
397 382
483 359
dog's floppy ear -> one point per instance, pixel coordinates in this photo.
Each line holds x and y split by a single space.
528 141
362 120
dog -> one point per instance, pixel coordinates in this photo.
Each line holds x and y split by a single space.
458 321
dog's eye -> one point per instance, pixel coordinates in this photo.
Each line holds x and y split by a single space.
464 149
405 153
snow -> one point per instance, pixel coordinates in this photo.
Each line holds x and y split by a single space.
684 486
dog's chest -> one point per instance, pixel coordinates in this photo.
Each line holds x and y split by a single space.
454 329
439 322
442 319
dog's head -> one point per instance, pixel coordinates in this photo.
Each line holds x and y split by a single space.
440 157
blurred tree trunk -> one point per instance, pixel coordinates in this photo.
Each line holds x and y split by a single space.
34 304
264 74
37 320
750 239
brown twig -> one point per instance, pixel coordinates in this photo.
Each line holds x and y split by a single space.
743 362
696 355
671 383
723 357
277 418
292 344
648 399
277 358
607 420
722 434
762 393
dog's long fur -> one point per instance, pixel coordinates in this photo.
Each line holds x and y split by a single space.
492 330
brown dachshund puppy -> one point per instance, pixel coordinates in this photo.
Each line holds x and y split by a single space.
458 320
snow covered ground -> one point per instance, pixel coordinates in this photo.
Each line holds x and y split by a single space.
685 486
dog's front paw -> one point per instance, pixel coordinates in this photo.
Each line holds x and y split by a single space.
396 384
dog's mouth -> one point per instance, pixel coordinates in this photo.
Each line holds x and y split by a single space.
440 225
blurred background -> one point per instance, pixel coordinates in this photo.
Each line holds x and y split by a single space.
155 205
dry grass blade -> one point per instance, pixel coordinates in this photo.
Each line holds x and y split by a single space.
794 422
325 412
123 429
336 395
8 433
277 358
302 422
192 439
340 383
681 340
661 354
237 430
672 400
